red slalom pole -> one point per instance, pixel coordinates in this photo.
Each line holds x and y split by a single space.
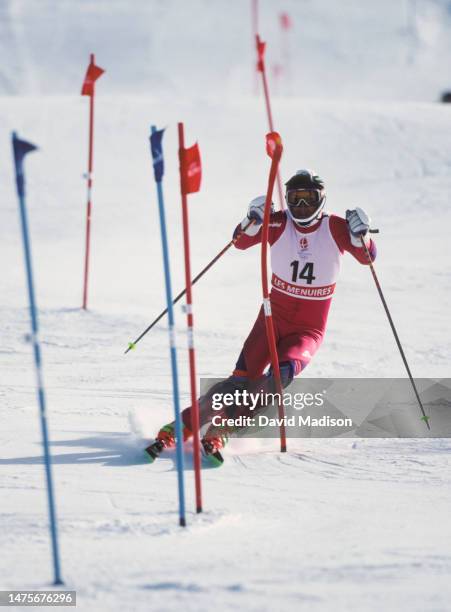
262 69
190 171
92 74
254 11
89 202
286 25
274 148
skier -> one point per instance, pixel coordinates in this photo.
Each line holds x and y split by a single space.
306 248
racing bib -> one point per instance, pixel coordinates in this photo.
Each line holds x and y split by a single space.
305 266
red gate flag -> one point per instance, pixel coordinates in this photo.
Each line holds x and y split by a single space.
272 140
260 54
285 21
92 74
190 169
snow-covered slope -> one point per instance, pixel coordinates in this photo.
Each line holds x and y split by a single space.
393 160
388 50
330 525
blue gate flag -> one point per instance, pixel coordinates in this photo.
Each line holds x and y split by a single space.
20 149
157 154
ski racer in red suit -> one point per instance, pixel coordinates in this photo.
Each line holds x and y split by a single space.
306 248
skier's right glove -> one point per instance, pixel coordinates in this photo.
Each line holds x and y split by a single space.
255 212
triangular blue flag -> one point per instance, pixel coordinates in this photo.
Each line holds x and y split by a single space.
156 148
20 149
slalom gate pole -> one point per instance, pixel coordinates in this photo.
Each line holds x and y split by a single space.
285 27
254 18
157 155
88 202
190 324
92 74
275 148
20 149
424 418
132 345
261 67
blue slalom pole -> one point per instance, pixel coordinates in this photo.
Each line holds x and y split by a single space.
20 149
158 166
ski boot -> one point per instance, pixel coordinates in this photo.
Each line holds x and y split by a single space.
165 439
211 447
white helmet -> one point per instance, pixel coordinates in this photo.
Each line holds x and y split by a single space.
305 197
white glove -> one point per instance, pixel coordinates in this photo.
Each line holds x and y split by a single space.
359 224
255 212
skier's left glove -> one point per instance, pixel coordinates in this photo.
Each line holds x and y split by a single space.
358 224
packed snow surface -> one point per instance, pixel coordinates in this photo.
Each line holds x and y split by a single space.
331 525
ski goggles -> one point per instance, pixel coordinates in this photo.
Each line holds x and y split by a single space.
306 197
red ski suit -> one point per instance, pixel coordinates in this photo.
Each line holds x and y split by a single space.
299 322
305 264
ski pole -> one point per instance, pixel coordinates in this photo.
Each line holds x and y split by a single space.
133 344
424 418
